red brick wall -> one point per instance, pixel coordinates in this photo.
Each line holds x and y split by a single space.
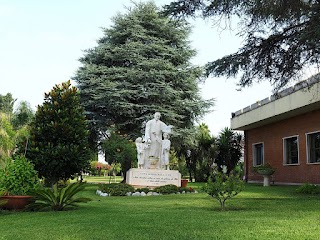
272 136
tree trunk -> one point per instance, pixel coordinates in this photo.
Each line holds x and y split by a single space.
190 175
222 203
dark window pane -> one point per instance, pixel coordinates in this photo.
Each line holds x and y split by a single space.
314 147
291 150
258 154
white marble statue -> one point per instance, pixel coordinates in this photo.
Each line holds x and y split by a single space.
140 152
165 152
153 136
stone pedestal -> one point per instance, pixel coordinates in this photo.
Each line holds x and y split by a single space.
266 180
152 163
153 177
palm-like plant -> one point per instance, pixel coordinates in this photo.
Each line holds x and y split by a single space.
9 137
229 149
58 199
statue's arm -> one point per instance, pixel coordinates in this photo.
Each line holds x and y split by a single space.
166 128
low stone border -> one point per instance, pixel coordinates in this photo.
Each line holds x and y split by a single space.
141 194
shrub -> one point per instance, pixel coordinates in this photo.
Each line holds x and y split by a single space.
223 187
116 189
265 169
18 177
57 199
145 190
167 189
308 189
98 168
186 189
2 192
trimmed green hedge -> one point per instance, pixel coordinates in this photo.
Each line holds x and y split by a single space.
167 189
116 189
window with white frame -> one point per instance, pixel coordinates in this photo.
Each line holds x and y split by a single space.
291 150
258 153
313 147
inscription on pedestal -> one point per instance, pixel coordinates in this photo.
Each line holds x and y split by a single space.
153 177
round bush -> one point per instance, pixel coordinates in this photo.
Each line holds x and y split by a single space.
186 189
167 189
116 189
145 190
308 189
18 177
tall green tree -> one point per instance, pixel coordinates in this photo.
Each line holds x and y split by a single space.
21 118
22 115
118 149
197 147
7 139
141 65
6 103
281 37
59 136
206 153
229 149
10 138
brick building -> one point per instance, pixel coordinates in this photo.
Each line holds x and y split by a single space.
284 131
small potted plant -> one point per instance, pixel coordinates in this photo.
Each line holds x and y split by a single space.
266 170
17 179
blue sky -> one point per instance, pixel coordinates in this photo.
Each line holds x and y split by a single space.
41 42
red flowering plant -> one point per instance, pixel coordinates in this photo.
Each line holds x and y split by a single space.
98 168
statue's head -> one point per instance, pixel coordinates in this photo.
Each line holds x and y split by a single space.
157 115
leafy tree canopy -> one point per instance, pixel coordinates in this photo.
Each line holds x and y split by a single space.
229 149
281 37
120 150
6 103
59 136
10 139
197 147
141 65
7 138
22 115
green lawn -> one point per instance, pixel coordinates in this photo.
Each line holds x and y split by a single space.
258 212
102 179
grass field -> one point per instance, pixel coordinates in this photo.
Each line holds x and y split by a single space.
258 212
102 179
